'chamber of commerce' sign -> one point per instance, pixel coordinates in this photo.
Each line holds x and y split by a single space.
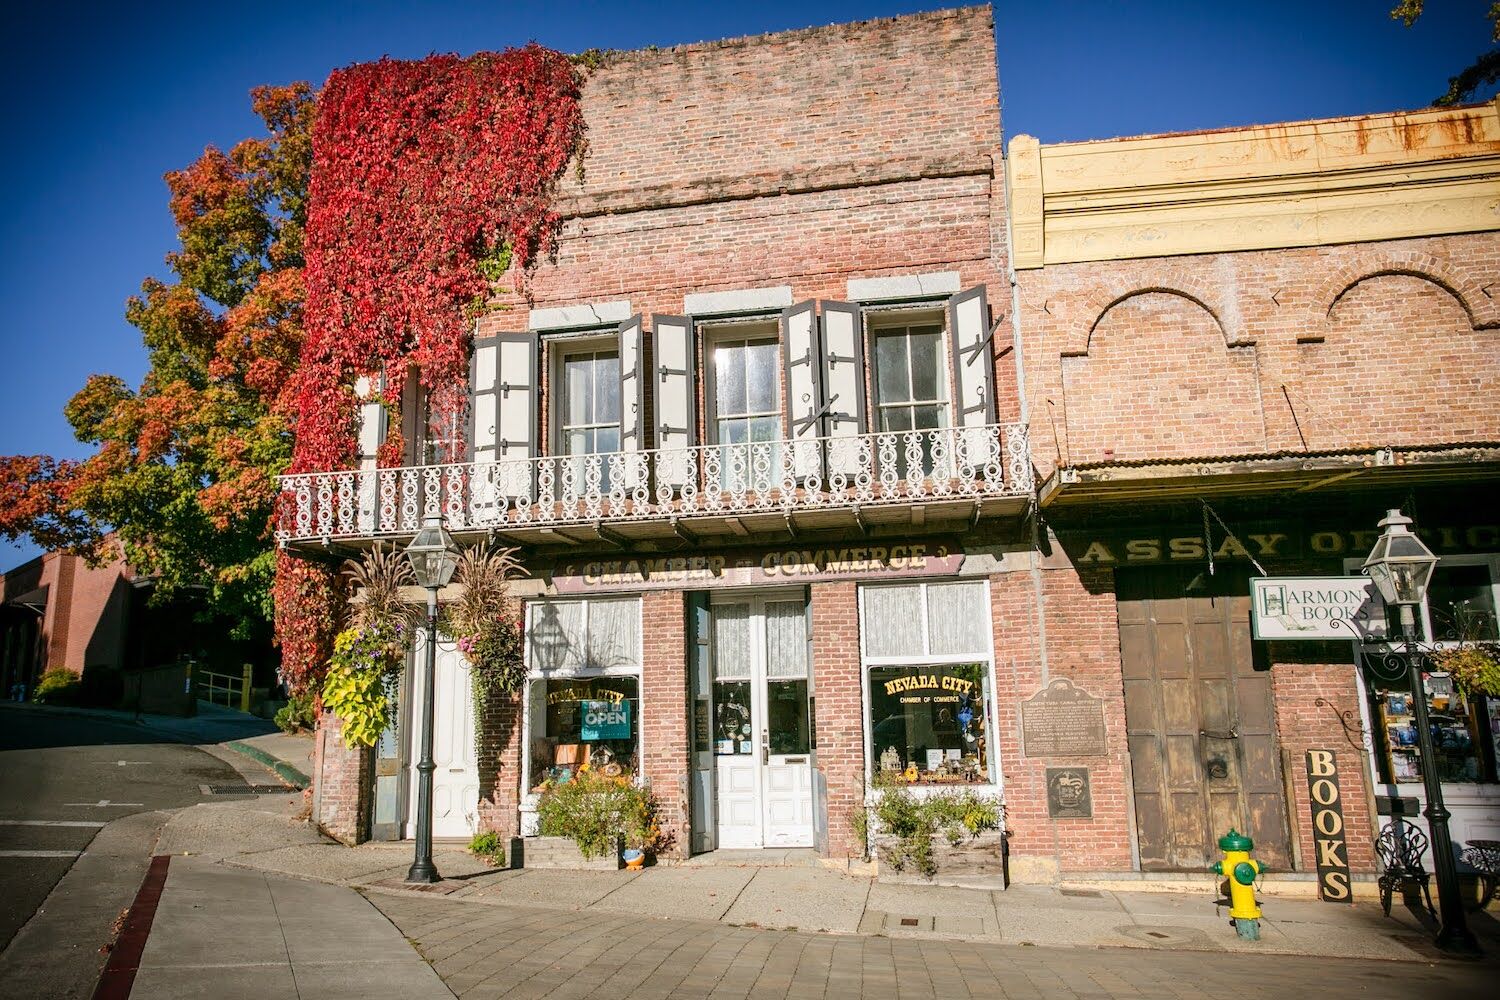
605 720
1315 607
1328 827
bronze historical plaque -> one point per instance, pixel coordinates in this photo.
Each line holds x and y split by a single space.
1068 793
1062 721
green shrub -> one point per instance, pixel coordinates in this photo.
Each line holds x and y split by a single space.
592 810
488 845
297 714
912 822
58 687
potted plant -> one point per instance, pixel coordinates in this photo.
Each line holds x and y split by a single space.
486 625
368 653
941 835
590 820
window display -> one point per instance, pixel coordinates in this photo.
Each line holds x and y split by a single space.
583 700
927 650
1458 723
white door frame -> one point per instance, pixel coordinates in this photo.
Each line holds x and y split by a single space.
753 776
455 782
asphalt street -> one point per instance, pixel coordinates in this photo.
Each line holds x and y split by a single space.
62 778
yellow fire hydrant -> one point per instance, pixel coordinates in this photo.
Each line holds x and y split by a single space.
1240 871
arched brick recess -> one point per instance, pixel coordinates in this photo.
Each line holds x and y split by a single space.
1159 381
1483 312
1400 364
1101 299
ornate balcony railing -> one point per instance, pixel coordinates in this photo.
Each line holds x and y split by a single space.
898 467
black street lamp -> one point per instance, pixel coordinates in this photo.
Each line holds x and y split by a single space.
1401 567
434 557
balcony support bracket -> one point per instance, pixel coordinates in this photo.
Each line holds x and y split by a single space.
683 532
611 536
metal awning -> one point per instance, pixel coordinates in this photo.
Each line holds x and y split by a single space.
1274 472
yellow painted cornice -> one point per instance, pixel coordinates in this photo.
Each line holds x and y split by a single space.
1312 183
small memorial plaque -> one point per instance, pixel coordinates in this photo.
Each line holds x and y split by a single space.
1062 721
1068 793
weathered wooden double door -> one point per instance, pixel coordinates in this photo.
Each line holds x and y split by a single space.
1198 717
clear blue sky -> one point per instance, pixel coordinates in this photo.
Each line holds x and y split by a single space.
104 100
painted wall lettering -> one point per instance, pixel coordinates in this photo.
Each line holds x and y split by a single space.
1328 827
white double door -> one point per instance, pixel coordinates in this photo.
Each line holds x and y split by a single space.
455 782
761 722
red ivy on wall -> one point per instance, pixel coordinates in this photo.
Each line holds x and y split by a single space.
423 171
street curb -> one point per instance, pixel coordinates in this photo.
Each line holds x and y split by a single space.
283 770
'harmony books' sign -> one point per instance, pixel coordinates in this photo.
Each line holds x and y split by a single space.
1315 607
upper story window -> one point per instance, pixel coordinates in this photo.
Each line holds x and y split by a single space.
590 419
747 390
911 380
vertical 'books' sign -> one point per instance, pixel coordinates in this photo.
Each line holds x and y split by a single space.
1328 827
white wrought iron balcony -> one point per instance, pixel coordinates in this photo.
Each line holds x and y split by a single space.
710 490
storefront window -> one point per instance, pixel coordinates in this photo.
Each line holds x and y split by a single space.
583 698
927 650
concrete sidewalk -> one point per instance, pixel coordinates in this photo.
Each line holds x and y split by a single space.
263 835
227 932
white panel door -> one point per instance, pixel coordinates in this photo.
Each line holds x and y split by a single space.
455 783
763 761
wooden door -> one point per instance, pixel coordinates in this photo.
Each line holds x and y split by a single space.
1198 718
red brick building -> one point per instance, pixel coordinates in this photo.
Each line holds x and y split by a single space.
817 478
57 612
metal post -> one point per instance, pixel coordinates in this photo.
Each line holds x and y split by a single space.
422 868
1454 934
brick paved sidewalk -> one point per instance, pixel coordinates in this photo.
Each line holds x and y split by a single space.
488 950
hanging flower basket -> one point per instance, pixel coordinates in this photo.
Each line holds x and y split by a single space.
1475 667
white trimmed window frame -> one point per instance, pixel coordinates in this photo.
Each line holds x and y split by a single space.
996 785
534 674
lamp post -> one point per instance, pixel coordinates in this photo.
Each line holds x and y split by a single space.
1401 567
434 557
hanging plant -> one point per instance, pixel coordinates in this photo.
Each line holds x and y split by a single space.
365 668
1475 667
486 624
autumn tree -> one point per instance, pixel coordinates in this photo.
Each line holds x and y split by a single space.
1482 72
185 464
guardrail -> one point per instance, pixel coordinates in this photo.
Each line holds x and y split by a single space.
233 689
726 479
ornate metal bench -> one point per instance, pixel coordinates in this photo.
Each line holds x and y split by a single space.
1401 847
1484 857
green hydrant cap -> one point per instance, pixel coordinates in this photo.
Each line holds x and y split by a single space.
1232 841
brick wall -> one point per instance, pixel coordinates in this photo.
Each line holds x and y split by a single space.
1083 646
1261 351
840 711
498 732
664 713
342 784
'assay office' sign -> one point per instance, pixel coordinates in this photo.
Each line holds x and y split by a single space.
1315 607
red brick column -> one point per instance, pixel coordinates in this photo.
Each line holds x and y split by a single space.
840 711
1302 724
500 778
664 713
341 784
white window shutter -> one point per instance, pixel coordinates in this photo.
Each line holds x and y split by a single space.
672 362
971 336
973 358
515 427
842 352
804 377
371 435
483 416
632 400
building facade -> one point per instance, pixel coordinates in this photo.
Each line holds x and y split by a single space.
837 443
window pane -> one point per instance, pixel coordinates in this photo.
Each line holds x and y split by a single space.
786 639
927 417
926 373
577 442
890 369
577 722
555 635
734 643
1461 602
930 722
607 439
577 374
892 621
732 729
786 716
765 429
614 633
895 418
729 378
761 376
606 388
958 621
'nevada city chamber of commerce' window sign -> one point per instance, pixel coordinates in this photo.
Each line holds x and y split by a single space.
1315 607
